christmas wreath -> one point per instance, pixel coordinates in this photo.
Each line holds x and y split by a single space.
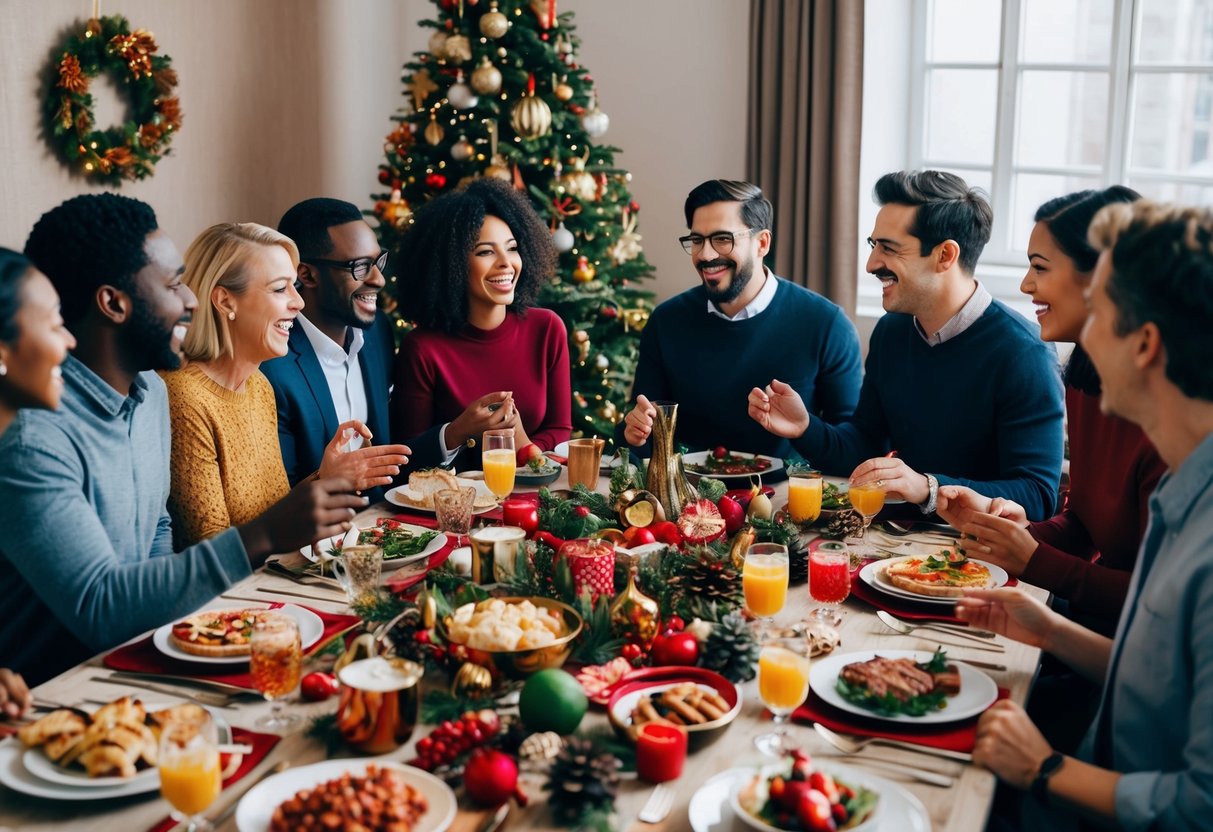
129 150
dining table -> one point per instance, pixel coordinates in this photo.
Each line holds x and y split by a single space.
961 807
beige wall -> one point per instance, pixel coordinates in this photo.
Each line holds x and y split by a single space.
285 99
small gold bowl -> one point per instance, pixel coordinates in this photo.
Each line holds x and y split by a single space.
519 664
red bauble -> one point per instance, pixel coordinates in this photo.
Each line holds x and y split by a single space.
675 648
634 205
675 624
450 25
318 686
631 651
609 312
397 185
384 177
435 181
491 777
543 36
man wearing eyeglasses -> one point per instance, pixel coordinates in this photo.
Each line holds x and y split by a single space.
338 367
707 347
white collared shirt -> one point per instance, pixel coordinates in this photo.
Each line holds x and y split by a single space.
755 307
342 372
968 315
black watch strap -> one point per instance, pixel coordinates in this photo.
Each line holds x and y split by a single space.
1040 786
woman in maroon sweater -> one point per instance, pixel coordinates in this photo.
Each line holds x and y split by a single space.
1084 554
481 356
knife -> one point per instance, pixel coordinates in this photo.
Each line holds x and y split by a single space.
208 684
215 700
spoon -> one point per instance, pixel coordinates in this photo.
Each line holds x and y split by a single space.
905 629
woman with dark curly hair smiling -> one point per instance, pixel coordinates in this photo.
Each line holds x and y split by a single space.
481 356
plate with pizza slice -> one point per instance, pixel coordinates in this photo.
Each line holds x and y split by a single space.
939 578
220 635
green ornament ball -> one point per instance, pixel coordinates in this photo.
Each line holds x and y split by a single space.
552 700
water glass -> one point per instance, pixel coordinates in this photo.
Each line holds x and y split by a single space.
190 777
274 664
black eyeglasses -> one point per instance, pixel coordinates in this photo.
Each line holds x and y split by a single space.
722 241
359 269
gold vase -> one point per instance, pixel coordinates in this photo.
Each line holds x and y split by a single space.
635 617
666 478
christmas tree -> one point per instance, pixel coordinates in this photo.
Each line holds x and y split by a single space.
501 93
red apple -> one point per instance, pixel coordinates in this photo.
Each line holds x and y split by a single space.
675 649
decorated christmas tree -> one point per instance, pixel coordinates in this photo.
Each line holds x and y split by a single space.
501 93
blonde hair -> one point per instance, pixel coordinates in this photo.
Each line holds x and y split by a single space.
217 257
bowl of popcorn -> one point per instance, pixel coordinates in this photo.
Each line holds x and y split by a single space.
514 637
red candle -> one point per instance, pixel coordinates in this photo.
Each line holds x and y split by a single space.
661 749
592 564
520 512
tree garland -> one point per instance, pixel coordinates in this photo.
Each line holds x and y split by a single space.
129 150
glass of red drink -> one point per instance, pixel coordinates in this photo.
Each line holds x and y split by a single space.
829 581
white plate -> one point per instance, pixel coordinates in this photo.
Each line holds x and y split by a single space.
30 771
351 537
977 690
395 499
698 458
257 807
874 576
710 809
311 628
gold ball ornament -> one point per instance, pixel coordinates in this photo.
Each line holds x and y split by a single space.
457 48
563 92
608 410
579 183
434 132
585 271
437 44
486 79
499 168
634 615
494 24
531 117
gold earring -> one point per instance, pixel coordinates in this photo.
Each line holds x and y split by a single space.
231 316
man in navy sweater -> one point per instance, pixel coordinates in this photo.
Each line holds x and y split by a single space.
706 347
958 383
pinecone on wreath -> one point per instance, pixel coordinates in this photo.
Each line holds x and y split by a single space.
730 649
581 781
707 580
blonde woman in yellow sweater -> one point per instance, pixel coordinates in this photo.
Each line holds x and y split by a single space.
226 465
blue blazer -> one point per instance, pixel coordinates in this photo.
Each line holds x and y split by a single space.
307 419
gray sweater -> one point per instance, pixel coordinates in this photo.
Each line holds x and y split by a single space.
85 537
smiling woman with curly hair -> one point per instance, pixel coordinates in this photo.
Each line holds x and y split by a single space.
482 356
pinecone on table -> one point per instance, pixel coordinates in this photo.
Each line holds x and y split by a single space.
708 579
581 780
846 523
730 649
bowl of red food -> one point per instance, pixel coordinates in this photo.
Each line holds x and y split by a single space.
797 795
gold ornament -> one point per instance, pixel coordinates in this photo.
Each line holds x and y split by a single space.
494 24
462 150
499 168
486 79
421 87
396 211
437 44
609 412
582 339
635 616
457 48
627 246
472 680
585 271
531 116
563 92
635 319
579 183
434 132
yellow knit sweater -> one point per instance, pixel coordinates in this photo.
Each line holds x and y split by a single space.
226 463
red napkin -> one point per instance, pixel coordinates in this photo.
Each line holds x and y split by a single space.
954 736
261 743
143 657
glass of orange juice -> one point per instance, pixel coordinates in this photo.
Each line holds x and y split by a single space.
190 777
274 664
499 462
868 500
764 580
804 496
783 685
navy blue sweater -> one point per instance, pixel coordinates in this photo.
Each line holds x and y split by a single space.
983 409
709 365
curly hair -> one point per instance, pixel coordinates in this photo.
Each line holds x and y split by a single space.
947 209
433 255
14 268
91 241
308 224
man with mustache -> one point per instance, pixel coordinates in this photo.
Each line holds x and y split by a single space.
339 364
957 382
88 540
707 347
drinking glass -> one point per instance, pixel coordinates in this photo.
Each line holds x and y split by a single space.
764 580
804 496
868 500
499 462
783 685
190 777
358 569
829 581
274 665
453 511
585 458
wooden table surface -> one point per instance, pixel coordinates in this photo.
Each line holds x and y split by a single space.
958 809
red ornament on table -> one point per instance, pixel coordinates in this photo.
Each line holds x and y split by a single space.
491 777
592 564
681 649
520 512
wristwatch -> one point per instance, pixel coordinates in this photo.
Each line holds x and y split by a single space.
1040 786
933 494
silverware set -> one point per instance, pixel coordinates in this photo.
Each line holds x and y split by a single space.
851 745
212 698
976 639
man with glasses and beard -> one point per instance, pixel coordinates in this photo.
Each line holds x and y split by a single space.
960 385
707 347
88 540
339 364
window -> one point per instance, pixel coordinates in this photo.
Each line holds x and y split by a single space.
1031 99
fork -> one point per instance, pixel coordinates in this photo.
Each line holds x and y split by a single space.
853 745
658 805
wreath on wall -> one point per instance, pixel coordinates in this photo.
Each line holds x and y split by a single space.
129 150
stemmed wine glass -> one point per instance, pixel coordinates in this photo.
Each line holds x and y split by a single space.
499 462
868 500
829 581
190 775
764 580
783 684
274 664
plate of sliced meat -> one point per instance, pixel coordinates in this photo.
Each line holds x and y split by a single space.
910 686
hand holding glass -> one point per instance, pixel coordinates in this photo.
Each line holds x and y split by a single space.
868 500
190 778
274 665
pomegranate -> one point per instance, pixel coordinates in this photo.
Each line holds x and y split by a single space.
701 522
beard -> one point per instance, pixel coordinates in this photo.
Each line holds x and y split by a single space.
339 307
150 338
742 273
